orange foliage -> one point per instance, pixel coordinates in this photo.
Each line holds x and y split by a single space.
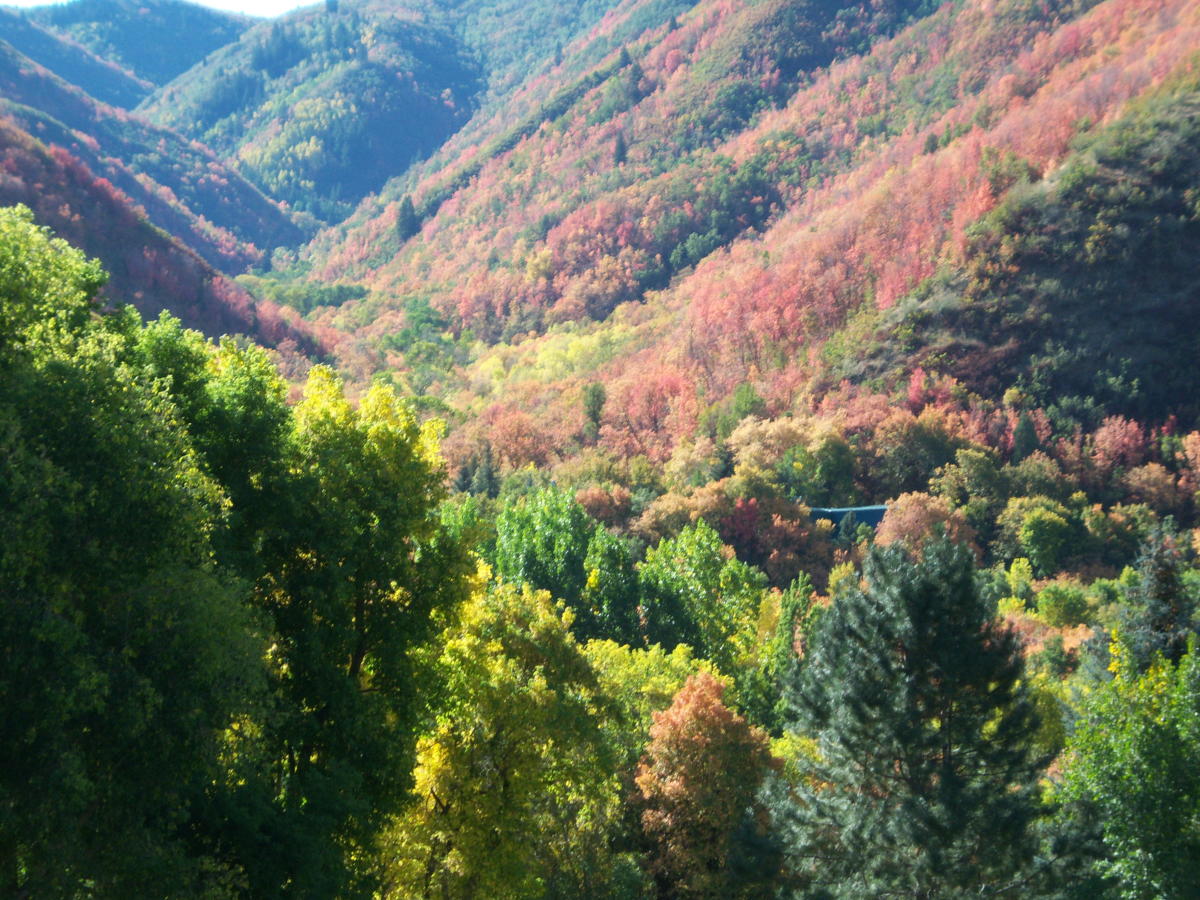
515 437
701 771
912 518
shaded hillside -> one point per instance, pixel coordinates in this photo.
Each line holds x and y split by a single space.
183 188
322 108
147 268
155 39
1081 289
319 108
105 80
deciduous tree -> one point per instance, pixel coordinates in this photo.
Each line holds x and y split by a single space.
698 782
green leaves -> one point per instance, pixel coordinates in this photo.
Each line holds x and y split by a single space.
1135 757
128 650
211 602
516 794
694 593
924 784
46 287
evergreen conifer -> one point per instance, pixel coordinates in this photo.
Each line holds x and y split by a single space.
923 781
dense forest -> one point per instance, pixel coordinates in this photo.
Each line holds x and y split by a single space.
629 448
297 665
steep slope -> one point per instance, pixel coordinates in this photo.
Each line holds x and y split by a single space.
156 40
105 80
777 249
183 188
1080 289
323 106
146 266
632 137
320 107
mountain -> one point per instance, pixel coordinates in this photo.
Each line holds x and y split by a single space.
156 40
680 200
182 187
1078 288
146 267
320 107
105 80
745 194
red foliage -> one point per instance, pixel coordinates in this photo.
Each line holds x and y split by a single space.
610 506
645 412
779 537
515 437
913 518
147 268
1118 442
701 771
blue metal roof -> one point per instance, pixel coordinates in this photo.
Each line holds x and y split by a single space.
863 515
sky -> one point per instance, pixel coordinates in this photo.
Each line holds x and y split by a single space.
250 7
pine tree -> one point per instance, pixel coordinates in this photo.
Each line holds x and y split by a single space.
924 784
620 150
1160 612
408 223
485 479
1025 439
594 397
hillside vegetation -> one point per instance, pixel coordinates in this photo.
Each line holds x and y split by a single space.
319 108
156 40
146 267
106 81
760 257
298 664
183 188
755 453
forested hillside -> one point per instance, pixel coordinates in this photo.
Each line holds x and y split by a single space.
146 267
760 261
711 449
318 108
156 40
280 658
106 81
323 106
183 188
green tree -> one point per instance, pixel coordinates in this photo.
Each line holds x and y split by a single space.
821 473
542 540
516 793
594 397
1040 529
695 592
1161 607
47 289
1025 439
234 405
923 782
408 223
976 484
128 654
1134 759
355 567
485 480
798 614
608 606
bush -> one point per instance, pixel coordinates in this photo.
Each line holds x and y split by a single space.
1060 605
